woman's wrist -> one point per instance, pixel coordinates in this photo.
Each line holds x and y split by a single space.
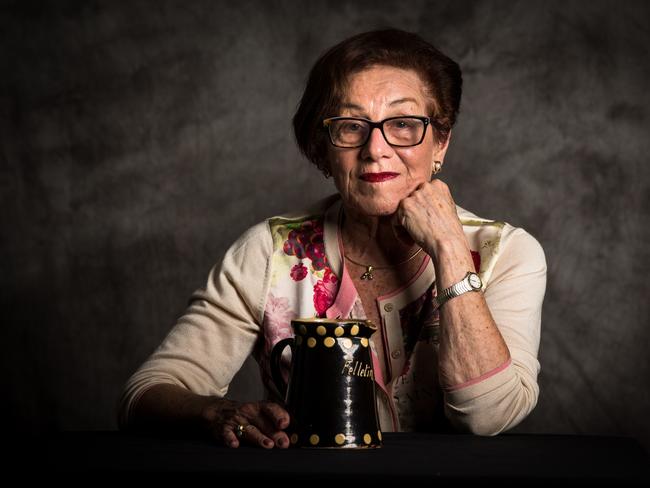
452 260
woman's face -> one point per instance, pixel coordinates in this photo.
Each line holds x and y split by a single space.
374 178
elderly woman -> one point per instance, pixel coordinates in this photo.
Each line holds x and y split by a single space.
457 298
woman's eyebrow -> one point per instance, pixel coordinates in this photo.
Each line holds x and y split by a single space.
402 100
351 106
360 109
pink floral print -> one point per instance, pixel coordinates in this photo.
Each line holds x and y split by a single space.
325 292
305 240
298 272
277 318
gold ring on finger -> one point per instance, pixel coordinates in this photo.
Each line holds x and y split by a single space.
239 430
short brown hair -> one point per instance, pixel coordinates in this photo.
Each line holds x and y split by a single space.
390 47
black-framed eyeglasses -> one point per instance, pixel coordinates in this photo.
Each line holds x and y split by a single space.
351 132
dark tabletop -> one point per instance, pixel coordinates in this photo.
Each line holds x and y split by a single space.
404 456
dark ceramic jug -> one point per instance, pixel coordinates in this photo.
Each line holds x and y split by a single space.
331 391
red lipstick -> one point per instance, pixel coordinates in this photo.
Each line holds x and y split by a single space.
378 177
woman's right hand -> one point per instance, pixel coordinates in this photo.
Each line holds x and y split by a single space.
263 423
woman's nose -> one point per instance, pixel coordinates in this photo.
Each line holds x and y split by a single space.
376 147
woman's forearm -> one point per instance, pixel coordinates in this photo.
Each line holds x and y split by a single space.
470 342
167 408
170 407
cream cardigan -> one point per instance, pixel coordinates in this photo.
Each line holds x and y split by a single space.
291 266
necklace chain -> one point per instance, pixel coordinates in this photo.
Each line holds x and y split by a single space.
367 275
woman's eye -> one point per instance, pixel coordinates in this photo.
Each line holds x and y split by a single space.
351 127
402 124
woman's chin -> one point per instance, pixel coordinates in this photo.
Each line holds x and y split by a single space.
373 207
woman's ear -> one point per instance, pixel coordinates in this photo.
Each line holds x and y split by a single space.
441 148
439 155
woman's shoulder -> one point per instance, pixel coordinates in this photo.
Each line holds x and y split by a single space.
503 229
498 240
470 219
316 208
260 234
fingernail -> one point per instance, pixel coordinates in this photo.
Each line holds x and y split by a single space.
233 444
267 443
281 443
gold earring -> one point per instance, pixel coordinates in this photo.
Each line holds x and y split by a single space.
437 166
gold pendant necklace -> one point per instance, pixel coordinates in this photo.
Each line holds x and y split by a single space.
367 275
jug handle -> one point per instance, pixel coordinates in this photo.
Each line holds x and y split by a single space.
276 355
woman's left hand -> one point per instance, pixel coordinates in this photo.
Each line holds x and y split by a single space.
428 215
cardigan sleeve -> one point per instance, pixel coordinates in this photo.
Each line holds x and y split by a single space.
514 295
219 329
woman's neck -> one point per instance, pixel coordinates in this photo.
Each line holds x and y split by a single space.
372 239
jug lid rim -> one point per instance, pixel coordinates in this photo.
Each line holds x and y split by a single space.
317 320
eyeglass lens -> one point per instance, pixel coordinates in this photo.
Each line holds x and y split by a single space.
403 131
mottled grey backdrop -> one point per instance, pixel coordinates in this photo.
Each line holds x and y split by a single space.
139 139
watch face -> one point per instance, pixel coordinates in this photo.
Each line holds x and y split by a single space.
474 281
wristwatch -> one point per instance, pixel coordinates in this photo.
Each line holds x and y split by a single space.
471 282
